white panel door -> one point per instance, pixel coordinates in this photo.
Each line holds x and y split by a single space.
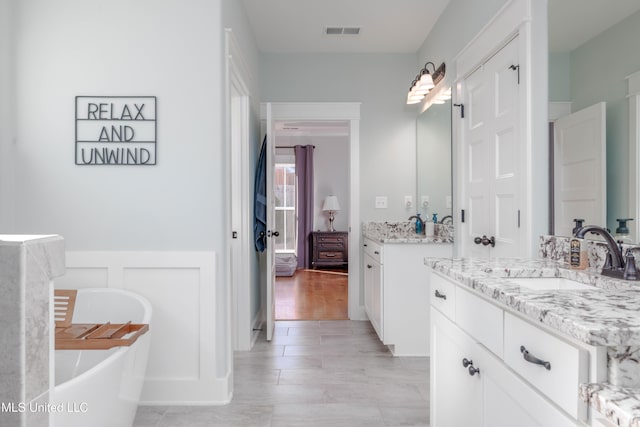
580 169
271 223
492 157
477 159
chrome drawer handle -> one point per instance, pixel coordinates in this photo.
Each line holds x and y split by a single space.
532 359
376 252
330 255
439 295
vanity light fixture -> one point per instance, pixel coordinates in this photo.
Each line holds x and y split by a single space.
424 82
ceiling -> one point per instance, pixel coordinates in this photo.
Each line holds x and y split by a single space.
401 26
387 26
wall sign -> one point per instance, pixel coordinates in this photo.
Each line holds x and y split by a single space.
116 130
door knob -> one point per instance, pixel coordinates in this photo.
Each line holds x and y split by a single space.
485 241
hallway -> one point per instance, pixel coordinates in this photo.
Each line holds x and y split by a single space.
314 373
312 295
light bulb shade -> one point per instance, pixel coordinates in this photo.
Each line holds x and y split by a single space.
413 97
331 204
413 101
426 81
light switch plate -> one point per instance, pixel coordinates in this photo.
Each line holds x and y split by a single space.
381 202
424 201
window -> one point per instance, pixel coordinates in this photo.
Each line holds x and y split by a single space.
285 207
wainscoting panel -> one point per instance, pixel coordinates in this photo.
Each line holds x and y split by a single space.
181 288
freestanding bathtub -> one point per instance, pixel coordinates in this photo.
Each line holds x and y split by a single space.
101 388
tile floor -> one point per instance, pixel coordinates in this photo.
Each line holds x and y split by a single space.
314 373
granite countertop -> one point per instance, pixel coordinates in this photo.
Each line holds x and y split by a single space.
404 232
619 405
608 315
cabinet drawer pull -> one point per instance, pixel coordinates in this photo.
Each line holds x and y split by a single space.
439 295
330 255
376 252
369 266
532 359
469 364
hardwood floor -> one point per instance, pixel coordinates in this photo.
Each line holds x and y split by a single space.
312 295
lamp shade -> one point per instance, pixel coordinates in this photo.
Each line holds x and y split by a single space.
426 81
331 204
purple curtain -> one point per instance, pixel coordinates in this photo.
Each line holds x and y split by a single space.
304 173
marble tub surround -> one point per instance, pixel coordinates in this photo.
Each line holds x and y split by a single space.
27 266
404 232
620 405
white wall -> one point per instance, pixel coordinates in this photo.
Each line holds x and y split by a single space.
165 49
7 106
77 47
387 125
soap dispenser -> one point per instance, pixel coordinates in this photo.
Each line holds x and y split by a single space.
430 227
622 232
418 224
577 254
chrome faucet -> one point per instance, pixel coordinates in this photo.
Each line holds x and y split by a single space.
420 220
615 264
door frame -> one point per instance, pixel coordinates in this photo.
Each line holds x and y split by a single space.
336 111
238 195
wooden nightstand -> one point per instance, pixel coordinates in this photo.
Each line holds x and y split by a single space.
329 249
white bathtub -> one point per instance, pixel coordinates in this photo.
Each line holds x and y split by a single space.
102 387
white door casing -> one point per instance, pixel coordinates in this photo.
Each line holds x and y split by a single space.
271 224
238 195
491 152
580 169
333 111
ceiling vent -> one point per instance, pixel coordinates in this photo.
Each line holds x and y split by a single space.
342 31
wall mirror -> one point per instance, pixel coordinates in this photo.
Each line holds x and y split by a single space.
602 35
433 162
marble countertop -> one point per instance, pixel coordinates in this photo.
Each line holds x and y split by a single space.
404 232
619 405
608 315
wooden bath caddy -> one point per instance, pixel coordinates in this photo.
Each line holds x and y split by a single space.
90 336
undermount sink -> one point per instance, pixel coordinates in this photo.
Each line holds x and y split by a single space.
550 283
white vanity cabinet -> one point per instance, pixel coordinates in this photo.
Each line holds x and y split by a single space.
396 293
479 375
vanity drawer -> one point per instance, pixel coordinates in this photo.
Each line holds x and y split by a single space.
443 295
567 364
480 319
373 249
